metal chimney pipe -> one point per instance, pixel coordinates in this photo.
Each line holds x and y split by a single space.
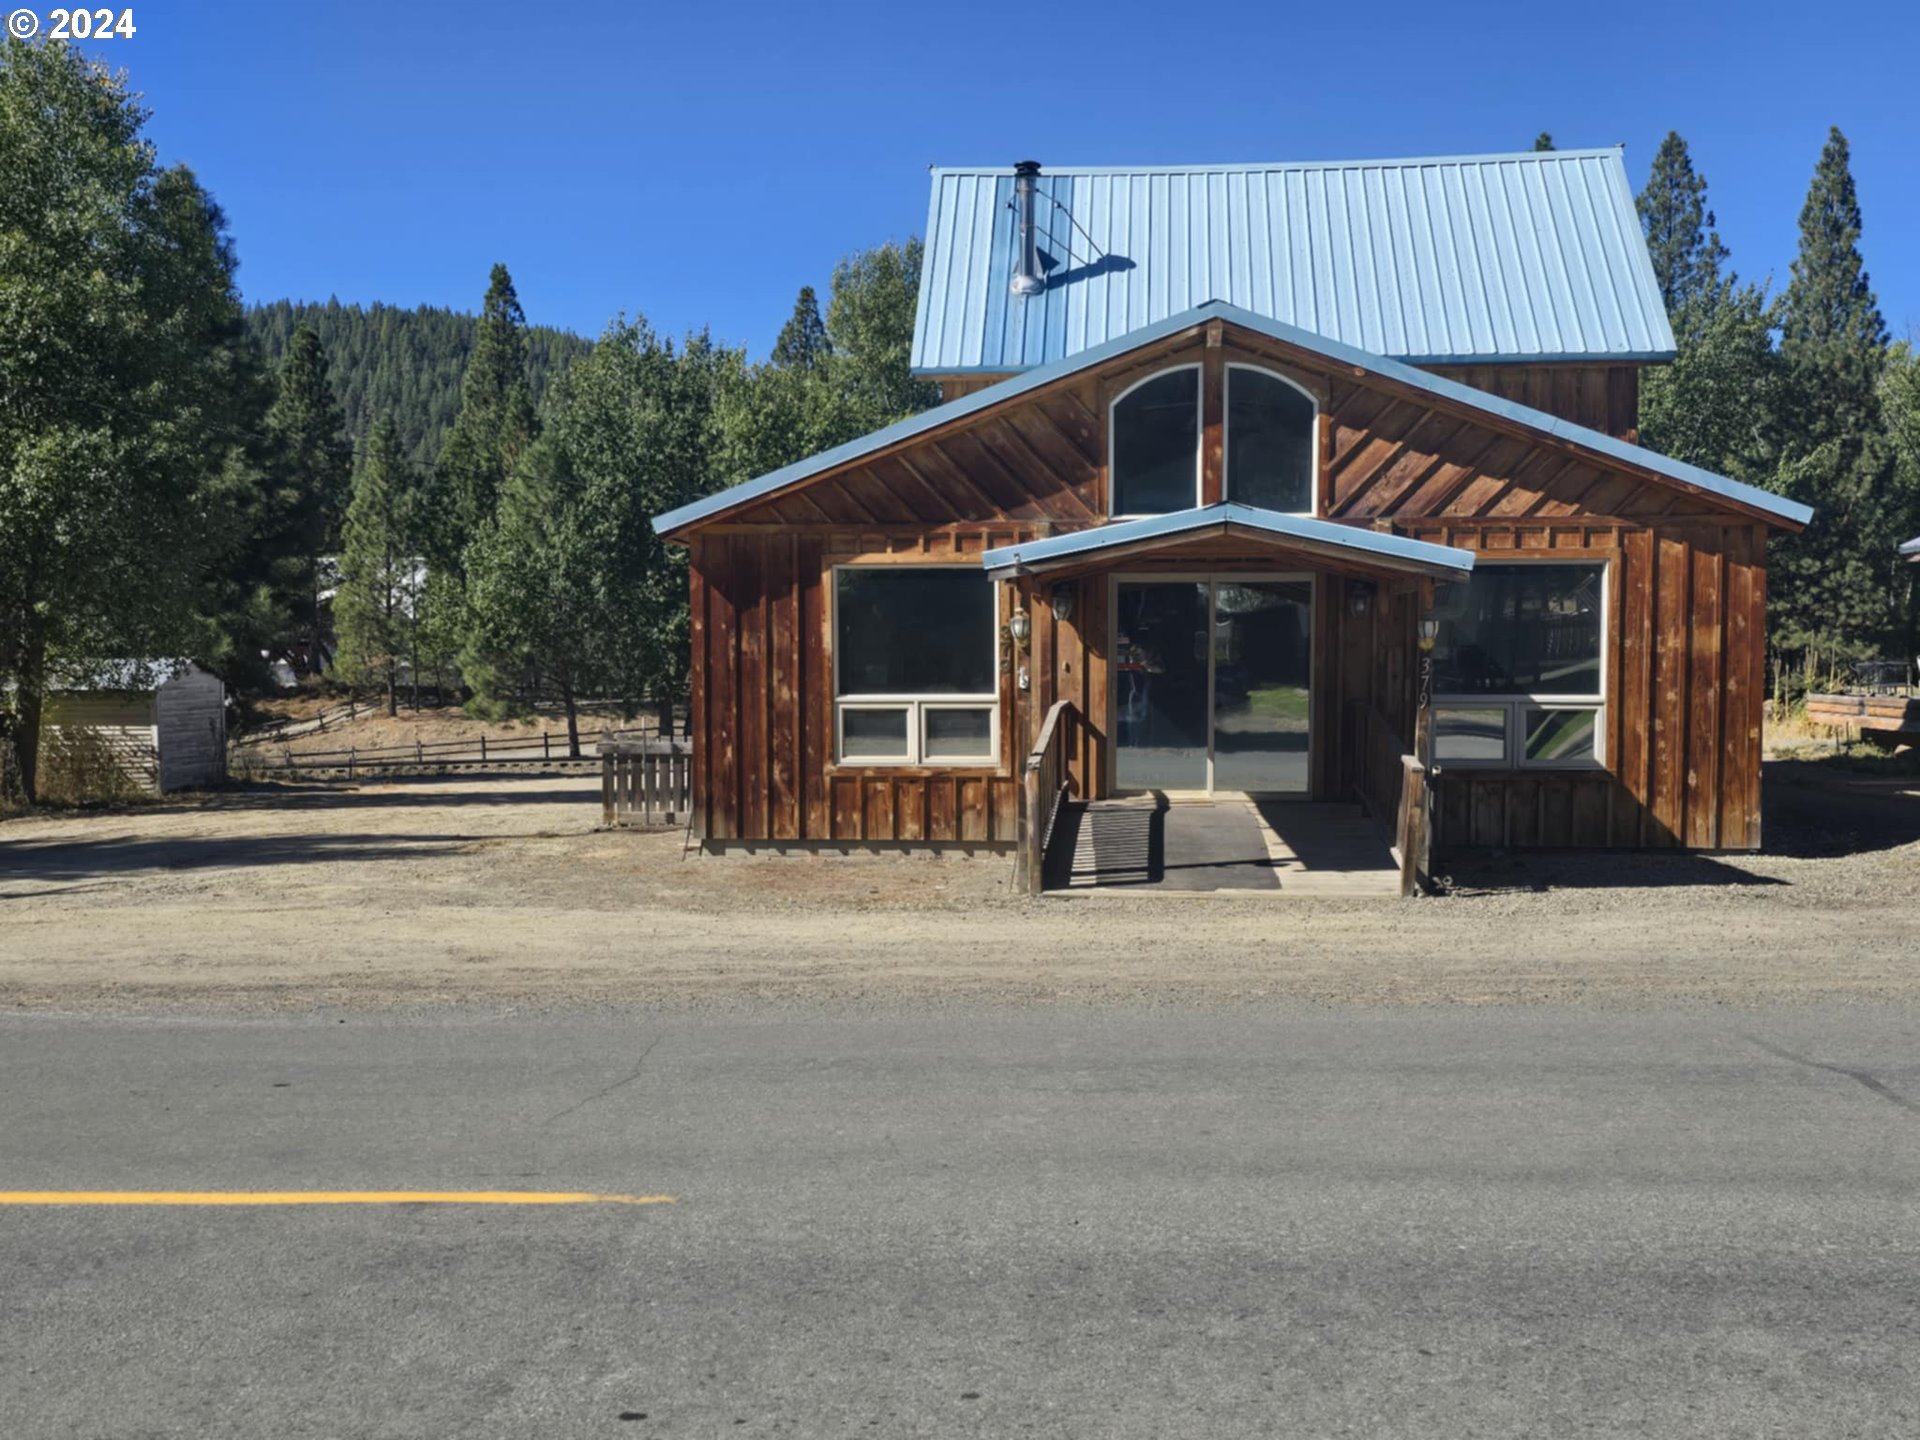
1027 279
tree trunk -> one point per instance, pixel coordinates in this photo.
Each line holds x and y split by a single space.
29 703
663 718
573 722
393 692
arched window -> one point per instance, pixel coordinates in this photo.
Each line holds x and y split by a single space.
1153 460
1270 442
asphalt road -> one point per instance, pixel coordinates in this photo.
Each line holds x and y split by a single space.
959 1221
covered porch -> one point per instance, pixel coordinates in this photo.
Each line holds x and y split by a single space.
1224 698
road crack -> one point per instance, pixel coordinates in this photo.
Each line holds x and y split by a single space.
1859 1077
620 1084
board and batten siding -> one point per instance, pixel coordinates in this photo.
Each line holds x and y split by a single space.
762 710
1684 637
1685 693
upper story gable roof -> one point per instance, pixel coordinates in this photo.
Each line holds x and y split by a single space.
1527 257
1607 449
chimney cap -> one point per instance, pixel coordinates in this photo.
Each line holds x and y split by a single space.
1026 167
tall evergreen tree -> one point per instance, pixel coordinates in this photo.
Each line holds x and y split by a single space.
1542 141
1835 583
495 425
1687 254
1713 406
803 340
314 480
379 568
124 384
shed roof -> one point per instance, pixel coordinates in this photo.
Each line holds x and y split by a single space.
1458 259
1595 442
1912 549
1299 532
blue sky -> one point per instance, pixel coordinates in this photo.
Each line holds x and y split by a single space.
698 163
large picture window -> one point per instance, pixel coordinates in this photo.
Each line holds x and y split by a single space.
1270 449
915 666
1518 667
1154 452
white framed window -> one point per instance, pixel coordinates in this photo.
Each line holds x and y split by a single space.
1520 667
916 665
1272 441
1153 444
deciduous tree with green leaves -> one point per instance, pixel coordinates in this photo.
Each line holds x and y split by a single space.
125 387
571 591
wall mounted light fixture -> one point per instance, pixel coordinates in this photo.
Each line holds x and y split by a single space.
1019 629
1061 598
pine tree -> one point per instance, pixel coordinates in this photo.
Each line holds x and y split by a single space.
306 422
1835 584
373 608
1832 335
803 339
1542 141
1687 253
495 425
1714 405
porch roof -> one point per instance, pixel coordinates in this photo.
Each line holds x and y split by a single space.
1302 535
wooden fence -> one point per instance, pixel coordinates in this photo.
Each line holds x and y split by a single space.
1046 783
646 781
548 747
1393 787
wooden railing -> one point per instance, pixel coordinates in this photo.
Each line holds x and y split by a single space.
646 782
1393 786
1046 782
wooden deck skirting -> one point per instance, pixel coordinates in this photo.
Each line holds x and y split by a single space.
645 782
1046 780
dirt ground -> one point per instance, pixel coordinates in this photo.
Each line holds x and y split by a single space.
502 891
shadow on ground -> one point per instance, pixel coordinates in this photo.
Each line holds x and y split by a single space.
1812 810
67 860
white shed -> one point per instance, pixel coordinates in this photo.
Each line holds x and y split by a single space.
154 725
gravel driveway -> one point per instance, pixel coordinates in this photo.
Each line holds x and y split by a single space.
487 889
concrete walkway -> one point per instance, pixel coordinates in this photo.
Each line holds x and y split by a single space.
1228 842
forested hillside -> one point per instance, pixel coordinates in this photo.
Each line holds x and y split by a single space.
406 364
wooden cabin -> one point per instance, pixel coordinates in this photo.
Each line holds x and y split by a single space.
134 727
1308 481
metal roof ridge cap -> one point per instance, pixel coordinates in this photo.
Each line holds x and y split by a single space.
1360 163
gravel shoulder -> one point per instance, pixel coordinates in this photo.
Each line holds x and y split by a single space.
476 889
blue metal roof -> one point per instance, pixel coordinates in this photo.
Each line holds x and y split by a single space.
1912 548
1363 543
1453 260
1790 512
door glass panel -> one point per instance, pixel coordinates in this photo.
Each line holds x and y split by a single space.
1262 664
1160 689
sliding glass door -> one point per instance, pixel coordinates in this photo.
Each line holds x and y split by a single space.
1212 685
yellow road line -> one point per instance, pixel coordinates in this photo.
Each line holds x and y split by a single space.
324 1197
